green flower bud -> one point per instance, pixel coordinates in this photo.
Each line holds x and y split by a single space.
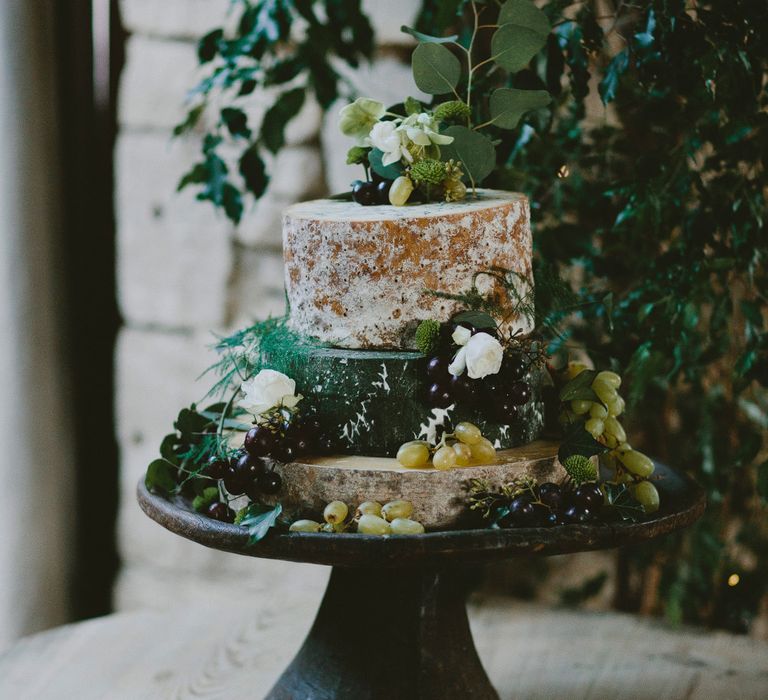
428 171
580 468
428 336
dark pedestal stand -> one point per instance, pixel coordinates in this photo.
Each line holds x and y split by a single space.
388 634
393 622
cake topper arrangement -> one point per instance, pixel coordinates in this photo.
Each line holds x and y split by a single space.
415 153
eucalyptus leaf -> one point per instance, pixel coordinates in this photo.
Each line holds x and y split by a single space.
388 172
435 69
524 13
479 319
160 477
508 105
513 46
580 387
259 519
474 150
428 39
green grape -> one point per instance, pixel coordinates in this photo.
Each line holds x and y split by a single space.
580 407
615 429
610 440
605 392
468 433
483 451
597 410
404 526
304 526
368 508
373 525
397 509
615 406
444 458
595 427
648 496
463 454
335 512
610 378
637 463
413 454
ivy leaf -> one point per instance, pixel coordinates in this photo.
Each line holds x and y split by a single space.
258 519
435 69
278 115
474 150
428 39
478 319
208 46
577 441
610 82
160 477
190 121
507 105
524 13
580 387
254 171
236 122
388 172
514 46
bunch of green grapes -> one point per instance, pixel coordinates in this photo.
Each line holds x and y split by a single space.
464 446
370 518
601 420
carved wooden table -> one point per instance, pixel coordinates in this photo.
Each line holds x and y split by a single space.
393 622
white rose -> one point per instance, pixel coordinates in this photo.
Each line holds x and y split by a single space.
386 137
484 354
267 389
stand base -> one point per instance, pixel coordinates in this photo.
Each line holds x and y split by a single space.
382 634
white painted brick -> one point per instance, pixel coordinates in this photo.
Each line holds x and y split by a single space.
387 80
387 18
262 223
257 290
155 81
176 18
174 253
297 173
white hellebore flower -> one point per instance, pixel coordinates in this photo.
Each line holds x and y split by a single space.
422 130
389 140
358 118
268 389
484 355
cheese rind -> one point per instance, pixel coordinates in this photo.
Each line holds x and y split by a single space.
359 277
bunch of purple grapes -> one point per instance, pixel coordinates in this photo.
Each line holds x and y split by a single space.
550 504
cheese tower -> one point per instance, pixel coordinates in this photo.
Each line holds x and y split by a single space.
362 277
359 280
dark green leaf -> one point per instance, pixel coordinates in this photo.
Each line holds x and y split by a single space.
580 387
524 13
427 39
193 116
168 448
258 519
475 151
478 319
577 441
389 172
610 82
254 171
161 477
514 46
277 117
207 47
236 122
435 69
507 105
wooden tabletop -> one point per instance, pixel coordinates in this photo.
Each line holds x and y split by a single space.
227 651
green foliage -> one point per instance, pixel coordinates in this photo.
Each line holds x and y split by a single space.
258 519
508 105
428 336
209 495
435 69
578 442
262 53
474 150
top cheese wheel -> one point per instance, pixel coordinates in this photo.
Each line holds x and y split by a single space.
359 277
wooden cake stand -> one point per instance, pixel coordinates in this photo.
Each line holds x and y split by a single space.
393 622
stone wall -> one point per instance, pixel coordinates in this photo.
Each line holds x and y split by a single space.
184 272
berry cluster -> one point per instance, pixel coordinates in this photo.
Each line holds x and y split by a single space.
526 504
503 393
244 474
370 518
464 446
371 192
285 436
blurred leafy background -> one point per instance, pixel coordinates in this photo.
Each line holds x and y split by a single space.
649 192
